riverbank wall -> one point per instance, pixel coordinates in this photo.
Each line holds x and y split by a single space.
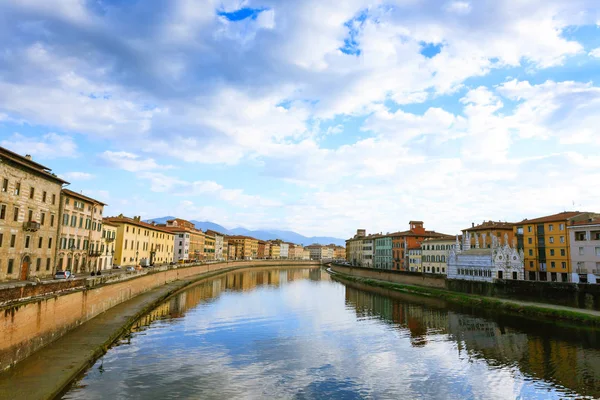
31 323
577 295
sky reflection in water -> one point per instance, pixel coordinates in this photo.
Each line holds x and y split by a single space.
297 334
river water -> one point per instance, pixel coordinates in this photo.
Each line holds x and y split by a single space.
298 333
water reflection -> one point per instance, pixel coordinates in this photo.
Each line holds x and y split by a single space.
295 333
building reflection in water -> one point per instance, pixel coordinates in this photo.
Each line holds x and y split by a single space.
565 356
243 280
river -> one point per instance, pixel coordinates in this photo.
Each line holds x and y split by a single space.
298 333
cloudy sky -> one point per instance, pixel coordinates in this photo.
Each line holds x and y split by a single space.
319 116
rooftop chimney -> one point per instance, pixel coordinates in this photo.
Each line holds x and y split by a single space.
472 224
28 156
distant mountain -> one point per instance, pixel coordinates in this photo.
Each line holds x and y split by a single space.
286 236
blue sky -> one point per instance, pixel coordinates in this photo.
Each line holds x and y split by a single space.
313 116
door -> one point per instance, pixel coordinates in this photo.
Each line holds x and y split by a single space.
25 268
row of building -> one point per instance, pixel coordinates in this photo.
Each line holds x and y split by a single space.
45 227
563 247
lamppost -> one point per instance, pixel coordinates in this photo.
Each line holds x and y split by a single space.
72 259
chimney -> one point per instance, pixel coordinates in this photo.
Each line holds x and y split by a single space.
472 224
28 156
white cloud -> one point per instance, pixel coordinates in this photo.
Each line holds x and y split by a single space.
129 161
459 7
49 145
77 176
595 52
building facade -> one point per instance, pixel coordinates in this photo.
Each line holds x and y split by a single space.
412 238
261 249
367 251
209 247
284 250
546 245
29 217
354 248
320 252
274 251
188 242
220 245
141 243
490 229
584 238
246 247
435 254
109 236
80 234
383 252
485 264
415 259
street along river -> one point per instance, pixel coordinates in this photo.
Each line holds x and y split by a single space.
298 333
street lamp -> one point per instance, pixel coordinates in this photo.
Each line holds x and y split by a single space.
72 249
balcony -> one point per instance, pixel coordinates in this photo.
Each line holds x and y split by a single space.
31 226
95 253
581 270
110 239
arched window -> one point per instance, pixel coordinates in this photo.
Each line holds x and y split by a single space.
437 258
443 258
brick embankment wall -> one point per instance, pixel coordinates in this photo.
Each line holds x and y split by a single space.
29 325
407 278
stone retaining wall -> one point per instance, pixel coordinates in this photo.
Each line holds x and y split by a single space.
28 325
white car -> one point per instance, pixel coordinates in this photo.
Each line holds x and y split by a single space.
130 269
63 275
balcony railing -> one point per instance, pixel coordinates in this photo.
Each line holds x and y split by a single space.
110 239
95 253
32 226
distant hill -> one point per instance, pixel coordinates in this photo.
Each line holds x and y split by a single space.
286 236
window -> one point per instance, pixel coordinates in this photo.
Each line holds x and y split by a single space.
551 239
125 244
562 239
51 219
551 252
17 188
1 237
44 194
579 236
16 214
53 199
597 251
31 192
4 185
30 216
562 252
13 239
73 220
40 240
561 227
9 270
3 211
530 252
552 264
529 240
47 264
563 265
81 222
550 227
595 235
581 251
529 228
49 243
38 264
531 264
67 201
65 219
42 218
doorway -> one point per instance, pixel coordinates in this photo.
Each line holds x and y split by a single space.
25 268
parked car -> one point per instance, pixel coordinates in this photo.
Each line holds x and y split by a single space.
116 267
130 268
63 275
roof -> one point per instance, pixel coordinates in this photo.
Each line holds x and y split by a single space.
240 237
563 216
211 232
107 222
442 239
486 225
411 233
180 229
590 221
30 165
81 196
131 221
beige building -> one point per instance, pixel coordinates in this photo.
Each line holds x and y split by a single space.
29 217
274 251
246 247
80 233
188 241
320 252
140 243
354 248
435 254
209 247
306 254
584 237
109 237
220 245
415 259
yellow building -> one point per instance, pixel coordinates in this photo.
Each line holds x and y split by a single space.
274 251
209 247
140 243
246 247
434 254
414 259
546 245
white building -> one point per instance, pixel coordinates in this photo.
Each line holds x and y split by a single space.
319 252
220 252
584 239
477 264
368 251
284 250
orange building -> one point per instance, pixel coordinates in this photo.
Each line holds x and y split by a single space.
261 249
410 239
487 229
